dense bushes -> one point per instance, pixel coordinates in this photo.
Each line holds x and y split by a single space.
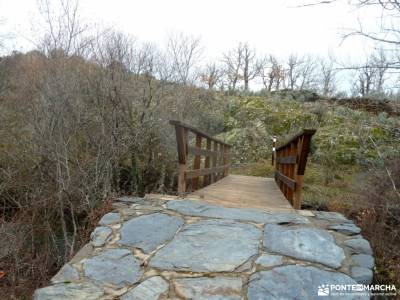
344 136
354 165
74 133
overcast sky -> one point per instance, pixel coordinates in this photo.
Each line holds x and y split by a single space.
272 26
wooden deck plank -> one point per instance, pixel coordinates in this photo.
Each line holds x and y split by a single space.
246 192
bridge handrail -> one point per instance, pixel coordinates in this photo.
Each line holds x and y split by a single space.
216 153
290 161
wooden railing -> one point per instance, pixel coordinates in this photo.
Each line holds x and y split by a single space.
215 152
290 162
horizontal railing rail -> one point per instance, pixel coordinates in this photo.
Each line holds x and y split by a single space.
214 151
290 161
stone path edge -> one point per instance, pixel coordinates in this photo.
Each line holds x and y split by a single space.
177 249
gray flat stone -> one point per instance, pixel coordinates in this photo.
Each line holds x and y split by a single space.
304 243
83 253
205 288
110 218
129 199
358 236
100 236
203 209
286 218
359 245
148 207
209 246
363 260
147 232
362 275
295 282
346 228
331 216
128 213
269 260
150 289
117 267
66 274
69 291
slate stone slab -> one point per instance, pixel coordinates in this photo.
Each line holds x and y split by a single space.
346 228
362 275
203 209
209 246
204 288
148 207
147 232
359 245
117 267
358 236
128 199
67 273
83 253
268 260
110 218
150 289
100 236
331 216
304 243
295 282
69 291
363 260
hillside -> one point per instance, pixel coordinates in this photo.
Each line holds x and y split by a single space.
76 134
354 166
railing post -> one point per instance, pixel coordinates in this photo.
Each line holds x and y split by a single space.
290 161
228 151
225 161
207 178
181 140
217 154
298 178
273 150
292 171
197 162
214 162
221 160
303 145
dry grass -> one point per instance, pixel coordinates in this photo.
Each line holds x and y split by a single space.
28 268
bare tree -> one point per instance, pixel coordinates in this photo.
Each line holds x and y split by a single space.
365 79
185 52
381 63
241 64
250 66
387 31
271 72
211 75
233 61
63 27
292 71
2 35
300 72
307 72
372 75
327 77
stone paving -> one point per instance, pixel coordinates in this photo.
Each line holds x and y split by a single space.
186 249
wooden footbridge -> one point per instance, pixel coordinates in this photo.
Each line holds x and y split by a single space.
166 247
212 183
